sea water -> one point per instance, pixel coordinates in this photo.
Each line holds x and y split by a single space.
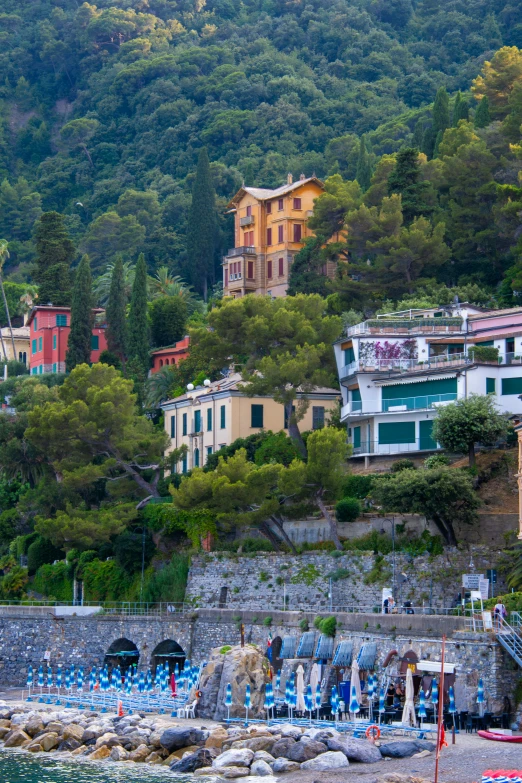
17 767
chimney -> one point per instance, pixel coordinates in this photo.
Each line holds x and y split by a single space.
302 177
289 179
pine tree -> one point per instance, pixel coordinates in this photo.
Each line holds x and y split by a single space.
405 179
441 115
363 173
428 142
82 318
115 311
202 228
54 255
418 135
482 116
438 140
138 327
460 110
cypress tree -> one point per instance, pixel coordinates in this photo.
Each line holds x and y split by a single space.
363 172
138 327
438 140
460 110
482 116
428 142
82 318
115 312
405 179
441 115
418 135
54 255
202 228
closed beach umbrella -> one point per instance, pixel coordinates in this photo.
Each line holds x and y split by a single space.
228 699
247 702
382 701
30 677
314 677
318 699
49 677
309 701
59 676
434 692
300 702
67 680
355 706
80 678
266 705
278 681
334 701
141 682
480 697
40 677
355 681
452 709
408 713
422 706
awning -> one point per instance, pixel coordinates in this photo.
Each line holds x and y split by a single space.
324 647
367 655
306 645
435 667
288 647
343 654
403 381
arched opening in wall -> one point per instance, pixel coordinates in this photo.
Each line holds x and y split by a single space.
410 660
122 653
273 653
169 653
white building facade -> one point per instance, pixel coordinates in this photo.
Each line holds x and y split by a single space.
395 370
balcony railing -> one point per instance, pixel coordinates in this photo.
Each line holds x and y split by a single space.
246 221
422 402
245 250
405 326
374 447
433 362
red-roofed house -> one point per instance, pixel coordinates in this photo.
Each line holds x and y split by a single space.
165 357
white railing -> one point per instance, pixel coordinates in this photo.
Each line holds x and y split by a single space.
403 365
422 402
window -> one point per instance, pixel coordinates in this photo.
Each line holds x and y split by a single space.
226 278
250 238
184 427
172 426
54 342
349 356
196 458
281 263
35 322
40 369
297 203
95 342
249 211
402 432
197 421
268 207
33 346
222 417
511 386
285 425
317 417
39 343
269 270
357 437
297 232
250 270
209 419
61 320
34 370
256 418
280 204
184 464
280 233
54 367
269 236
490 386
25 357
209 451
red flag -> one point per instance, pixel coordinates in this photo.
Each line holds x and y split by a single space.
173 684
442 740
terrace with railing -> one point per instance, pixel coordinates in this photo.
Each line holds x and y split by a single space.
401 324
442 361
397 405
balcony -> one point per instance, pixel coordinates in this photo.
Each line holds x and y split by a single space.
404 365
406 326
374 447
241 251
359 408
246 221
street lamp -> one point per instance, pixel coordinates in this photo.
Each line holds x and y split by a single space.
392 520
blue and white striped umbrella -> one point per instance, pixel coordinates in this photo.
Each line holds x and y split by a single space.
228 696
67 680
157 676
59 676
318 698
278 681
309 704
247 702
422 705
49 677
80 679
40 677
371 686
452 708
266 705
481 697
148 682
141 682
382 701
355 707
334 701
434 693
72 675
30 676
92 679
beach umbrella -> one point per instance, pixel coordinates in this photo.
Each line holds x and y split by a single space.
434 692
247 703
480 697
334 701
173 683
29 681
141 682
49 677
272 702
314 677
67 680
382 703
92 679
408 713
128 682
80 679
266 705
355 681
300 701
318 699
355 706
40 681
278 681
228 700
157 676
452 708
149 687
422 706
309 700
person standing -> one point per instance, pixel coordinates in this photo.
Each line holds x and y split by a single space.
500 613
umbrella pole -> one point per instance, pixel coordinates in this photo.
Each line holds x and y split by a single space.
441 707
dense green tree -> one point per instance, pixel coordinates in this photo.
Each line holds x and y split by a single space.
137 324
441 112
202 228
406 180
168 316
82 318
363 173
306 273
460 110
482 116
115 313
54 255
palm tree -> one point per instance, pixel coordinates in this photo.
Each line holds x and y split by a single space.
4 255
102 284
160 386
164 283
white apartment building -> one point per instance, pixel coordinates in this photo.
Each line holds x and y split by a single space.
396 369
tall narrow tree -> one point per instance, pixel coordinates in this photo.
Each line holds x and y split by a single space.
441 113
363 173
54 255
406 180
482 116
82 318
4 255
115 312
202 228
138 327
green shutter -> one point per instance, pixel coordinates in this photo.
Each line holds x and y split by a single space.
222 413
401 432
425 439
256 416
33 347
196 458
95 342
54 342
356 395
184 424
39 343
349 356
491 386
209 419
511 386
357 437
486 344
197 421
61 320
424 388
173 427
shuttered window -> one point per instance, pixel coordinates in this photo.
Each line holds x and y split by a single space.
209 419
349 356
95 342
173 427
184 430
402 390
269 270
280 233
33 346
197 421
61 320
425 439
256 416
269 236
196 458
54 342
297 203
250 270
222 416
268 207
297 232
357 437
281 267
280 204
511 386
491 385
399 432
39 343
317 417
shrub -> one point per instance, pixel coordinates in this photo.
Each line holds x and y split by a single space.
339 573
128 549
13 583
278 447
225 649
9 521
304 625
21 544
436 461
483 353
170 583
347 510
41 552
357 486
256 545
402 464
267 621
53 581
327 625
104 580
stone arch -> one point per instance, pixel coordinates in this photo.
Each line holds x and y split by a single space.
168 652
161 362
123 653
167 362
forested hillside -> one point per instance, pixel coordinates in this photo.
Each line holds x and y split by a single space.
104 107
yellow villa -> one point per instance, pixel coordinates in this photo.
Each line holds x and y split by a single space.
270 227
21 344
213 416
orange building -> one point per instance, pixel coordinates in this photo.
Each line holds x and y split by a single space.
269 229
165 357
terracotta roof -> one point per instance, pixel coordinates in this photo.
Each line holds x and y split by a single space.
492 313
263 194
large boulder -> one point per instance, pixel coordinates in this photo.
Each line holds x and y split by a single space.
239 667
284 765
236 757
202 757
260 768
355 749
256 743
403 749
329 760
16 738
49 740
230 773
181 737
73 731
282 747
304 751
34 726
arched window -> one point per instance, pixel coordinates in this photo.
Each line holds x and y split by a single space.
166 361
161 362
196 458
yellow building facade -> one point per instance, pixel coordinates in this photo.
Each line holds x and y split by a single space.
21 344
270 227
209 418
